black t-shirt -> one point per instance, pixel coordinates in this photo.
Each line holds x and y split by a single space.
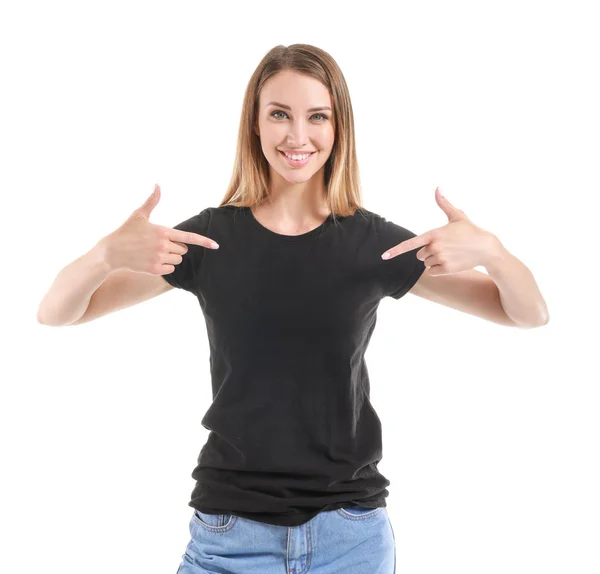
289 318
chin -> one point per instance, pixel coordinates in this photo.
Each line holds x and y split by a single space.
297 179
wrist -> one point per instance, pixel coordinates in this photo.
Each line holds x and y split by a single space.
102 254
496 252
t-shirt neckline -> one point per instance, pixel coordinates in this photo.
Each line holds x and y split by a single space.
281 237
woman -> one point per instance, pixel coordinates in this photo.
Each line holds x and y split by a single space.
288 476
294 442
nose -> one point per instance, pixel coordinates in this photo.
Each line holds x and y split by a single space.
297 135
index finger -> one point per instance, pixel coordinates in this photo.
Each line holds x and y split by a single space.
191 237
409 245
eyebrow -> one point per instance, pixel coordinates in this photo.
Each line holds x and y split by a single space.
288 107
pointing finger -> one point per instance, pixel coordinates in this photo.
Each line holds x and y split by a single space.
408 245
193 238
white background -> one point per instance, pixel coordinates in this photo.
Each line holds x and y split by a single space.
490 433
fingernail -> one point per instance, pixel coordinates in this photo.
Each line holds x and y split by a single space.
385 256
214 245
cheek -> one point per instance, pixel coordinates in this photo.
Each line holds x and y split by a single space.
328 137
271 135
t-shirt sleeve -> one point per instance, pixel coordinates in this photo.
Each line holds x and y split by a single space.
185 276
399 274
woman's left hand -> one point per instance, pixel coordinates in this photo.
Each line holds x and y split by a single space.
458 246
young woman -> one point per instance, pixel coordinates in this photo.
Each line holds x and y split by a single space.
288 476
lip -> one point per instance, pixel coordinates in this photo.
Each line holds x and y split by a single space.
297 163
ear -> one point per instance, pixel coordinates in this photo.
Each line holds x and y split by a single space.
256 131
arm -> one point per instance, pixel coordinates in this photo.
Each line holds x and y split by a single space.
86 290
69 295
508 296
126 267
123 289
471 292
519 293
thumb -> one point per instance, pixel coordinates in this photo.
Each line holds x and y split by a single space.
453 213
148 205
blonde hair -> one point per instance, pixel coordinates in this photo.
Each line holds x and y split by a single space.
249 182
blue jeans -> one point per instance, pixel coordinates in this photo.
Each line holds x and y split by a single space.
355 540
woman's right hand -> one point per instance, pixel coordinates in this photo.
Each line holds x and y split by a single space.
144 247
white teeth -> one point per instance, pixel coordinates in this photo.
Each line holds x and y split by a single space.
298 157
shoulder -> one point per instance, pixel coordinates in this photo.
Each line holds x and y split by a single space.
214 215
369 226
224 211
362 217
387 229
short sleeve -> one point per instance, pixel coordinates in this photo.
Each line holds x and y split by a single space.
185 276
399 274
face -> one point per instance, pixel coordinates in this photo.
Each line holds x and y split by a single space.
292 125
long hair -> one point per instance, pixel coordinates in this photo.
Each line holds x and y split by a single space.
249 182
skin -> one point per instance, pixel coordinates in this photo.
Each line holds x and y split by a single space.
298 194
508 294
456 247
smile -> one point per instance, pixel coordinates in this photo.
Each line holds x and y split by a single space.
304 158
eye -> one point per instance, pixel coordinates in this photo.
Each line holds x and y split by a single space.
280 112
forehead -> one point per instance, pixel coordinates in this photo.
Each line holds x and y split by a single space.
296 90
